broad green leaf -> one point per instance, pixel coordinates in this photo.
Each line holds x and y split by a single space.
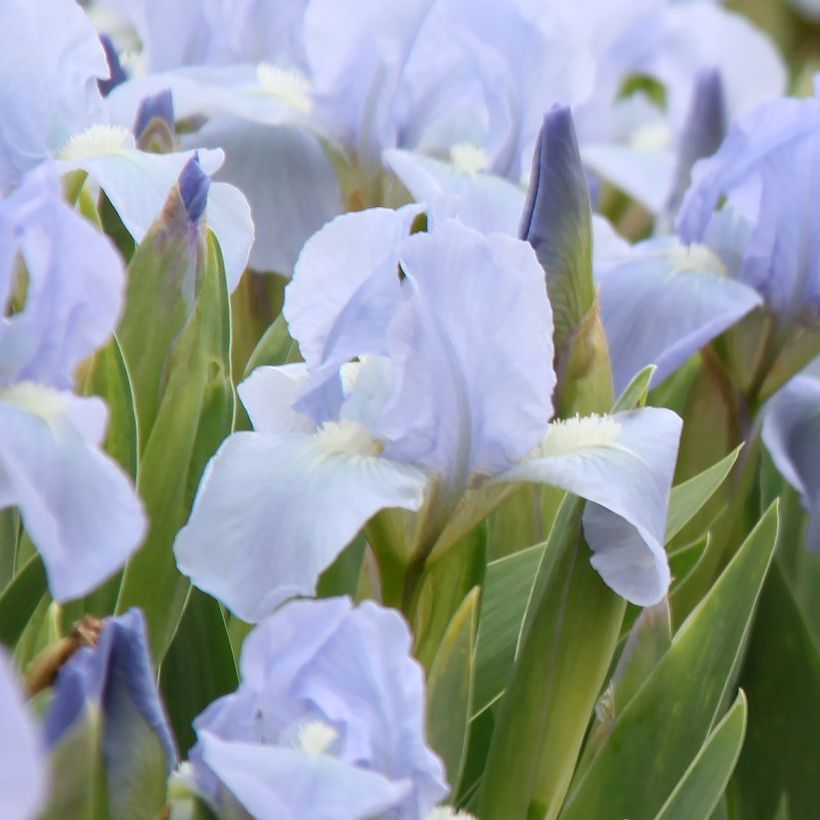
19 600
274 348
781 757
108 378
444 585
662 728
450 689
689 497
194 416
569 636
342 576
507 586
649 639
699 791
636 392
191 678
683 560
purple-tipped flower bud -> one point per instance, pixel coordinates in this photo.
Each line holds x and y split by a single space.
557 222
193 188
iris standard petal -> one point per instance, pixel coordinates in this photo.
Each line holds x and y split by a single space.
472 353
624 464
52 469
272 512
334 265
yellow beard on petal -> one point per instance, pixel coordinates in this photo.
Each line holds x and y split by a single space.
290 87
578 433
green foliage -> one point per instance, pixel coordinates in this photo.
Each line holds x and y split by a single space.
190 679
193 416
658 734
450 689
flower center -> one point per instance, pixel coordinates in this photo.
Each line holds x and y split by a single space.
290 87
696 257
97 141
469 158
349 437
316 737
578 433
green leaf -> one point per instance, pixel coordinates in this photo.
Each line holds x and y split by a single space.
781 759
274 348
569 636
689 497
194 416
191 678
636 392
649 639
444 586
19 600
108 378
660 731
507 586
699 791
450 689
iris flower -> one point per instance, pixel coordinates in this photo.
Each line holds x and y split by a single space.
61 288
426 386
327 722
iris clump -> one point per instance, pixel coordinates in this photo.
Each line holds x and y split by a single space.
408 410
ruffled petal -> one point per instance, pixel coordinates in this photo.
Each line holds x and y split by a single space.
272 512
472 354
334 265
624 465
52 469
663 303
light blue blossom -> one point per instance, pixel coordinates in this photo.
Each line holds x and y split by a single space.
428 374
328 721
23 770
50 61
51 465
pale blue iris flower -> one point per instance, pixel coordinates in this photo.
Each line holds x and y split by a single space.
57 312
427 375
328 721
51 108
748 237
23 769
